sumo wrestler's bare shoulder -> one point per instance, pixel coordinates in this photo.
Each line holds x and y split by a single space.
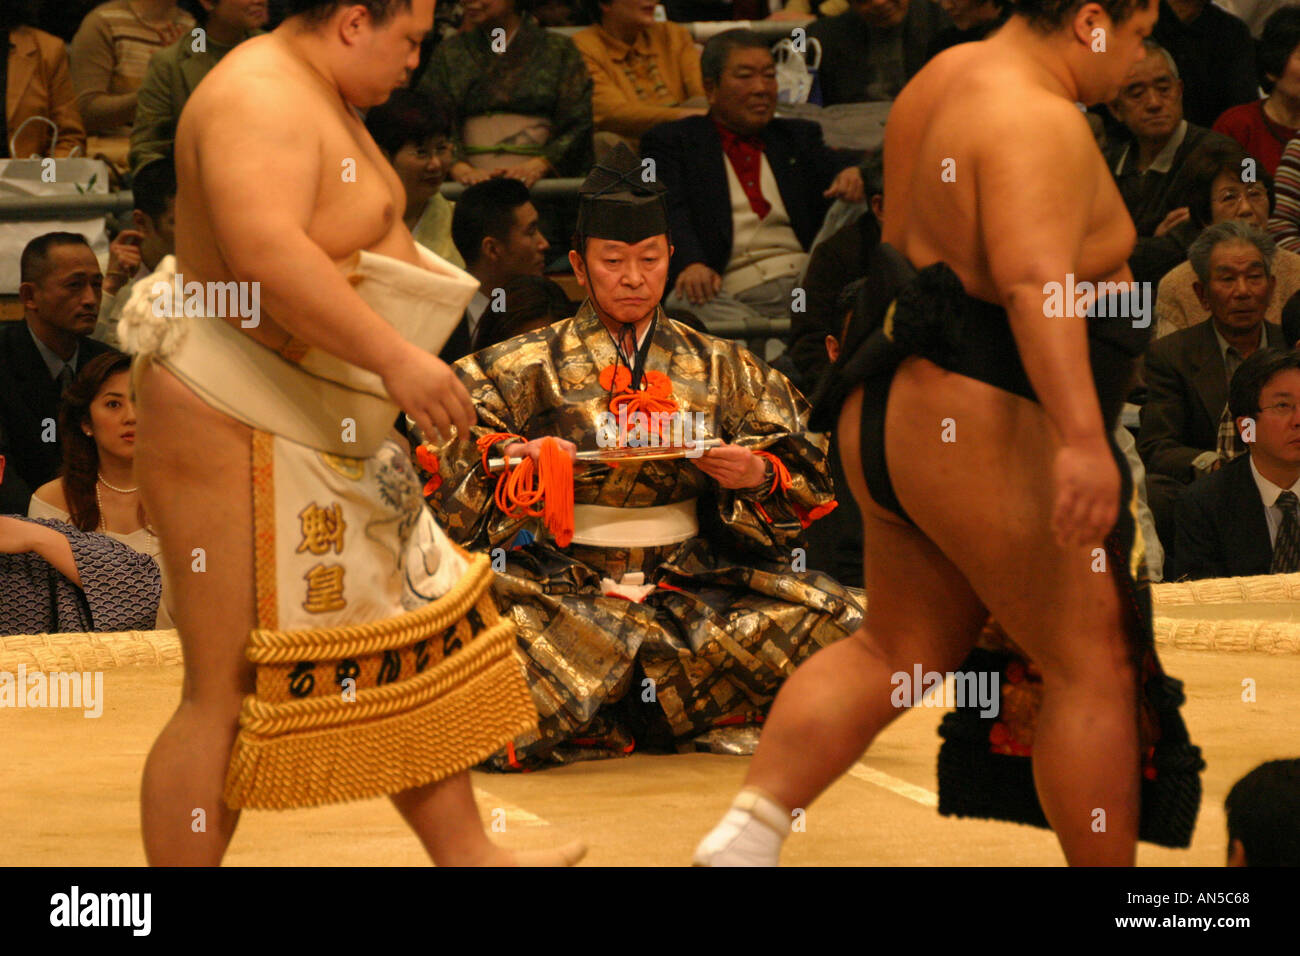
258 80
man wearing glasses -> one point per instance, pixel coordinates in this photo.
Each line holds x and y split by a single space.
1243 518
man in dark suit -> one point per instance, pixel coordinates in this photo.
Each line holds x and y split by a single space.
747 193
60 293
1185 433
496 230
871 50
1242 519
1150 165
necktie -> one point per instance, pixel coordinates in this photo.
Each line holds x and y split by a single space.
1286 551
65 377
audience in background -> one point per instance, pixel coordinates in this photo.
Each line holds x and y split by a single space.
872 49
1215 54
416 138
1242 519
973 20
1264 127
135 253
1263 810
524 109
37 84
1186 431
530 302
110 55
747 193
498 233
175 71
40 356
1217 192
96 488
57 579
1151 168
643 72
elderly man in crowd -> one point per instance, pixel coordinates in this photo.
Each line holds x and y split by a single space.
1150 169
676 602
1187 431
747 193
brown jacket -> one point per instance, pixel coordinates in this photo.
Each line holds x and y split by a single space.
39 85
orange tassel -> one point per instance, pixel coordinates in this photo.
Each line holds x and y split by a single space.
428 460
780 474
544 490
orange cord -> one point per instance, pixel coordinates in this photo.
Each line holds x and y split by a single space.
780 473
542 490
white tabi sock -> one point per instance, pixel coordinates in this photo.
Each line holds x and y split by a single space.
750 834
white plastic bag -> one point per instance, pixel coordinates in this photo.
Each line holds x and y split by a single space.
49 177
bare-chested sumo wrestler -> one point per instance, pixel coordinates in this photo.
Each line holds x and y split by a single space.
995 191
326 599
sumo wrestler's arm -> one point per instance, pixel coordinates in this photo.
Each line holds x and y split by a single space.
1032 157
261 172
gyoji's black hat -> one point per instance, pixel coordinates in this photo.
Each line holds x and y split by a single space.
617 202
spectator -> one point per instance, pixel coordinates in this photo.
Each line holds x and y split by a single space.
872 49
57 579
531 302
110 54
37 83
1264 127
175 71
1150 170
973 20
524 109
39 357
1215 54
1217 192
415 137
96 488
833 265
747 193
643 72
497 231
1186 432
135 253
1263 810
1242 519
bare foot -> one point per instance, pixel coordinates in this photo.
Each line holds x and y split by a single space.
566 855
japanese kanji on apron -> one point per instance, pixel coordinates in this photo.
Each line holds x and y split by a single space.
382 663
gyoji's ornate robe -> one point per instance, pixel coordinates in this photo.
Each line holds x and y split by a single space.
733 612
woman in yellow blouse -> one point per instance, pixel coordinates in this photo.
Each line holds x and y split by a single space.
643 72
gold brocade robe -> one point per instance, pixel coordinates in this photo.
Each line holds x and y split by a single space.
730 617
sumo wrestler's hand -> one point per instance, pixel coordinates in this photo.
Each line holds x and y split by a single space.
428 390
533 449
732 466
1086 481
